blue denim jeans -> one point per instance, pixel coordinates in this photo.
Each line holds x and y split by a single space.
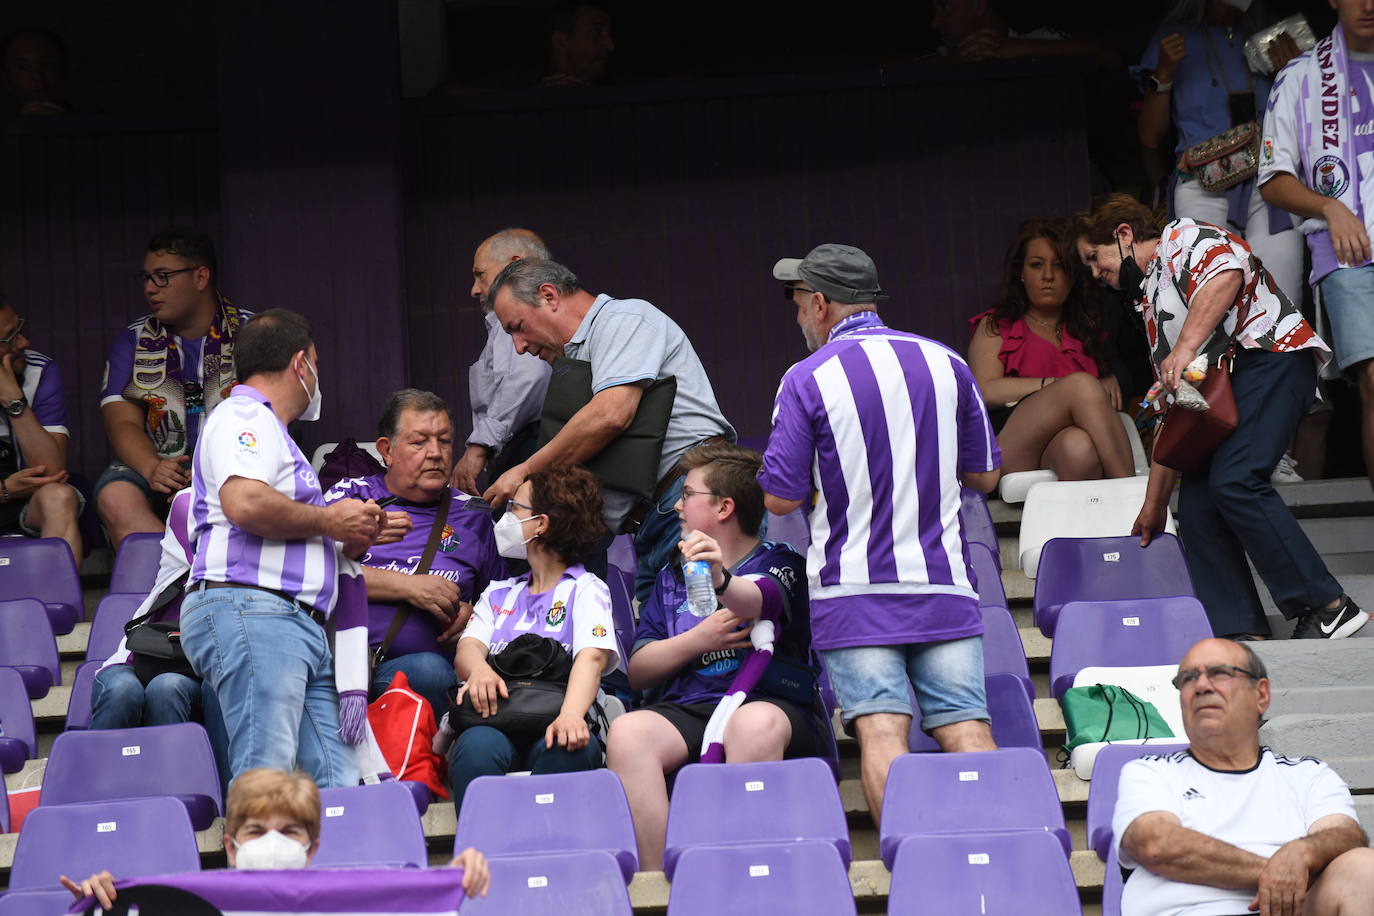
119 700
271 669
428 673
484 751
656 538
946 676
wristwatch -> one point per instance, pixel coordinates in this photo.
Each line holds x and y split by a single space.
16 407
1157 86
725 582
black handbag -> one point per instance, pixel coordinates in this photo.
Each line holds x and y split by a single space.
155 647
535 669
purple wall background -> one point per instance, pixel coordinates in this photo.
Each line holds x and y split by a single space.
365 218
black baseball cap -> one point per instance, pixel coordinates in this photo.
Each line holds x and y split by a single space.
842 272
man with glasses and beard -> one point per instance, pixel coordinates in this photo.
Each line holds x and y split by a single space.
163 376
35 497
1229 826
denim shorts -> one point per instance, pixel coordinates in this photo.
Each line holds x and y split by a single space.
160 503
947 677
1347 294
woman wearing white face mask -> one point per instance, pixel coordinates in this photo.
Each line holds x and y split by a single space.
553 521
273 823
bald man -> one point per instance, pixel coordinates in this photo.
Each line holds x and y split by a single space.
506 388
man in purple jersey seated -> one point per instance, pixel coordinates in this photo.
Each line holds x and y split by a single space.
414 619
883 426
696 659
35 498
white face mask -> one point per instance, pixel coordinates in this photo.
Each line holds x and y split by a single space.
273 851
510 537
312 410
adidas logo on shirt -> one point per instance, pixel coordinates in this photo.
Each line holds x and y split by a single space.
1192 795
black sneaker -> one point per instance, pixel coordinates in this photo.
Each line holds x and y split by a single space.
1345 619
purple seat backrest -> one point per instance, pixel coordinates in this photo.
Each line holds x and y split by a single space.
1003 651
1006 789
1129 633
27 644
1112 886
1102 790
134 762
546 813
1104 569
987 576
1023 872
622 589
43 568
621 555
369 826
977 520
79 705
17 739
793 529
138 836
556 884
136 563
803 878
107 629
35 903
1010 707
731 803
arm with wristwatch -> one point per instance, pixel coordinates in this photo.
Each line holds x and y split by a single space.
45 453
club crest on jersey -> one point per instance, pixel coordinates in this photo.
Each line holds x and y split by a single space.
448 539
1330 177
598 631
557 613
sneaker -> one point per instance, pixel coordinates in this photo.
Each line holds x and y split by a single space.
1286 471
1336 623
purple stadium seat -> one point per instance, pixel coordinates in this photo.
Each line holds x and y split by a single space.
556 884
107 629
794 528
1105 569
136 563
421 795
622 588
134 762
1112 886
130 837
43 568
1013 716
978 527
5 815
740 803
975 792
36 903
1142 631
987 576
555 812
1024 873
79 705
27 645
803 878
1102 789
621 554
369 826
1003 651
17 740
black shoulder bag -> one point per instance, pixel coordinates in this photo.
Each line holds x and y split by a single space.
535 669
398 620
155 647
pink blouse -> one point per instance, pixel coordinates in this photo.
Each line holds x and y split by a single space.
1025 354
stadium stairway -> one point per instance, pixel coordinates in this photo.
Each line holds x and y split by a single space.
1322 704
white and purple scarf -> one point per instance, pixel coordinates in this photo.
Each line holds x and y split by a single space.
1328 155
750 670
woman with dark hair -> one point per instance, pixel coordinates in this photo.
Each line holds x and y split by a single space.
553 521
1039 362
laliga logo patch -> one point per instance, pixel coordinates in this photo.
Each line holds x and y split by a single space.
248 443
1268 153
557 613
1330 177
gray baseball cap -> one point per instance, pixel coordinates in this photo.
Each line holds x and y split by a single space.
844 273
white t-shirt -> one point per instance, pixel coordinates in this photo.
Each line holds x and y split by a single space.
1257 810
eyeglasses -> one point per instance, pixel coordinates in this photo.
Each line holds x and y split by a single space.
1217 674
790 289
160 278
520 505
14 335
688 493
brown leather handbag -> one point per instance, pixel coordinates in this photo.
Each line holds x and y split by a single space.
1187 438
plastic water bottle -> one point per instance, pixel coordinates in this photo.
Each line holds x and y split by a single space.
701 592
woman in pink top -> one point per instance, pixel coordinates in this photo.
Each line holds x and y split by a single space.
1038 361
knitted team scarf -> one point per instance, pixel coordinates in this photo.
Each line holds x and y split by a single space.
747 677
1328 156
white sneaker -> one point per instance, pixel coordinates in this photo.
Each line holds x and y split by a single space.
1286 471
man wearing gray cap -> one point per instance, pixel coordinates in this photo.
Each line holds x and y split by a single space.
883 426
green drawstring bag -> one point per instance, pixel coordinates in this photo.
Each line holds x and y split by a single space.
1106 712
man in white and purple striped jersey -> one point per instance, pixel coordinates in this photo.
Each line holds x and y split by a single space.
267 572
883 426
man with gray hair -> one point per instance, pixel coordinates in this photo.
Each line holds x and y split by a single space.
506 388
1228 826
629 344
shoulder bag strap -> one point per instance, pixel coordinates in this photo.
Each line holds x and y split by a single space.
402 614
168 595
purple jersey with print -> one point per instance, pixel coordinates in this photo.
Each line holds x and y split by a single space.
41 383
119 372
707 678
879 424
466 555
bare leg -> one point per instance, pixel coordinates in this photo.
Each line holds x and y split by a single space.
124 510
1309 445
640 749
1343 887
52 511
1072 456
971 735
757 731
1075 400
883 737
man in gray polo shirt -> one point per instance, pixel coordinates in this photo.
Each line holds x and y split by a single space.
629 344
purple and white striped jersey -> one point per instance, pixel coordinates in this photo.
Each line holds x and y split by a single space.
244 438
880 424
